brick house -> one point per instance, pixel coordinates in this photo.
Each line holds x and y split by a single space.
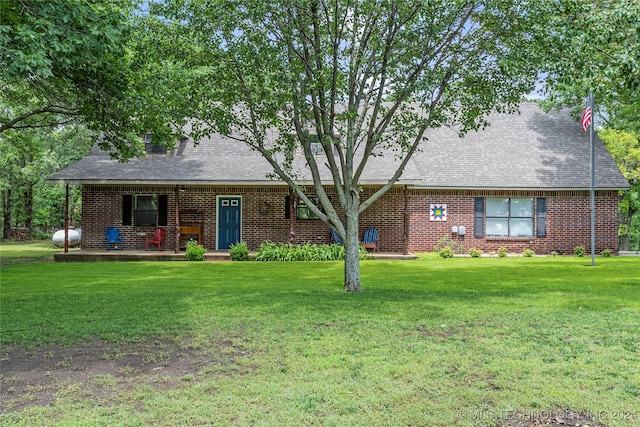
524 182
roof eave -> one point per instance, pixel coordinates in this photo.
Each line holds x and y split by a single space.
234 183
495 188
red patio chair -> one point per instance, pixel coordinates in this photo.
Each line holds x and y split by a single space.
157 238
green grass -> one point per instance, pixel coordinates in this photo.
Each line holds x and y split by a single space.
17 252
433 342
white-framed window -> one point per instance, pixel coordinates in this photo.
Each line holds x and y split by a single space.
509 217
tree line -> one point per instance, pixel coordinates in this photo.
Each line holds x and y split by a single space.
71 71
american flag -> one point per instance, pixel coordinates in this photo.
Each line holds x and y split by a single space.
586 117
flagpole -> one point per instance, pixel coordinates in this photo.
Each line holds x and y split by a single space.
593 182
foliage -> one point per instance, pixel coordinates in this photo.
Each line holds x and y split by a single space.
257 334
606 253
27 158
452 245
65 61
239 251
579 251
271 251
361 78
445 252
625 150
554 253
194 251
502 252
528 253
475 253
593 47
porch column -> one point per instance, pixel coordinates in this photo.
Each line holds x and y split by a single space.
177 219
405 233
292 218
66 219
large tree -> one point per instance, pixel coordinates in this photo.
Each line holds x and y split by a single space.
64 61
359 78
593 46
625 150
27 158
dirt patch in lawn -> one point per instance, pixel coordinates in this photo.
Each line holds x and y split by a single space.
106 371
551 417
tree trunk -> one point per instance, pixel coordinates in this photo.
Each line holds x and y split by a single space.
624 225
6 214
352 252
28 206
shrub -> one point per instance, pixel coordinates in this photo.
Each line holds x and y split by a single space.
579 251
528 253
554 253
195 252
270 251
446 252
39 234
606 253
450 245
475 253
502 252
239 252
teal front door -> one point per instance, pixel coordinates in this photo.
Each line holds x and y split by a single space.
229 220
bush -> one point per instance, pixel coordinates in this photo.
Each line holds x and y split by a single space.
475 253
528 253
39 234
448 244
270 251
502 252
239 252
606 253
195 252
579 251
446 252
554 253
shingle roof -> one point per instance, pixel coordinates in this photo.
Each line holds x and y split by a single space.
530 150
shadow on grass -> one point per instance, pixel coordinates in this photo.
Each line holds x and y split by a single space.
44 303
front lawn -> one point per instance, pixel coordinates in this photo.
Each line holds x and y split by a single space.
430 342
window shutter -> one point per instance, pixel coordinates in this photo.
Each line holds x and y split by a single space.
478 217
163 208
541 217
127 209
287 207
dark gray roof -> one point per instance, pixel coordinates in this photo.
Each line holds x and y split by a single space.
530 150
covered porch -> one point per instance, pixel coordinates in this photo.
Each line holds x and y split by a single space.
94 255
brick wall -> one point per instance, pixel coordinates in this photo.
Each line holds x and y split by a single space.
263 218
568 221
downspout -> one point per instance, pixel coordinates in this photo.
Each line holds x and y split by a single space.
177 219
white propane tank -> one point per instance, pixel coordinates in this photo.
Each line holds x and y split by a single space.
58 238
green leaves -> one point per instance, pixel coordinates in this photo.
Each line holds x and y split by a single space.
594 47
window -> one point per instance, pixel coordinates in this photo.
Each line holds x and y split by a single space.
509 217
316 146
145 210
301 209
151 148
